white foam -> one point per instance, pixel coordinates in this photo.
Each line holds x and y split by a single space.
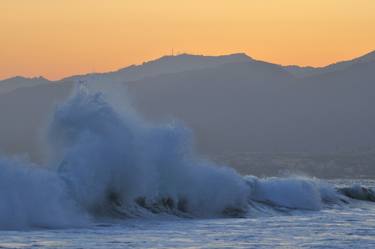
32 197
293 192
101 157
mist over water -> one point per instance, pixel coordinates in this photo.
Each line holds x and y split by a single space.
104 160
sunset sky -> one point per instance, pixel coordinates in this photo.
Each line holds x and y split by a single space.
57 38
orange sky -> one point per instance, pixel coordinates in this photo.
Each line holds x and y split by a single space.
56 38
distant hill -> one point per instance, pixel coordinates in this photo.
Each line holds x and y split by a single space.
256 106
163 65
302 72
24 115
232 103
14 83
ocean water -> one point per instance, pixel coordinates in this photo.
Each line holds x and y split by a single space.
113 180
347 226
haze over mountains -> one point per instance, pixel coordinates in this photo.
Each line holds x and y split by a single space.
233 103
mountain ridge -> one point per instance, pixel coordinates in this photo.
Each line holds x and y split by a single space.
13 83
241 105
163 65
307 71
168 60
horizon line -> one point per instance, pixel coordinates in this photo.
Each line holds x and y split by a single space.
184 53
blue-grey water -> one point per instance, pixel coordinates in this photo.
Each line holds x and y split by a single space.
338 226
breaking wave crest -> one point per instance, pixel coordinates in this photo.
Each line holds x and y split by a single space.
107 163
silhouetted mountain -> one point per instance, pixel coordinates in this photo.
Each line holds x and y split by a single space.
25 113
233 104
11 84
260 107
302 72
163 65
227 106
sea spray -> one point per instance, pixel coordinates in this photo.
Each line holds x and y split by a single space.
104 153
102 159
34 197
107 162
293 192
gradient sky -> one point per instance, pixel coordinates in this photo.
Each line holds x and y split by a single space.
56 38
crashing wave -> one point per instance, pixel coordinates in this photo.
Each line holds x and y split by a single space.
358 192
110 163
